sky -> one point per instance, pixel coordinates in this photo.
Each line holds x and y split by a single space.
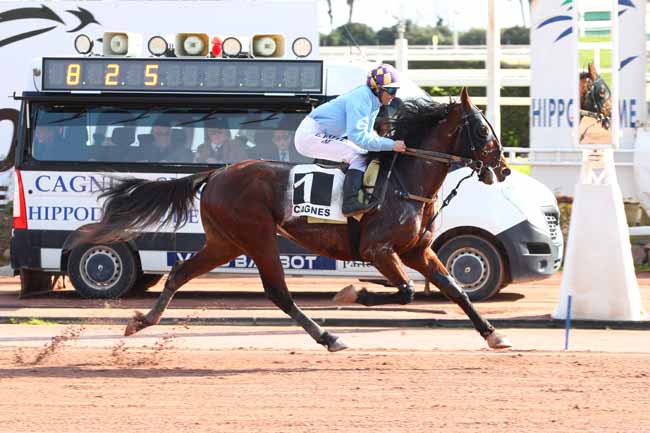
382 13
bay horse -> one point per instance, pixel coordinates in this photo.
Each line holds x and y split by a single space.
244 206
595 97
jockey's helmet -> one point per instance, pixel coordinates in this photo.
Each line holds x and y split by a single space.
384 76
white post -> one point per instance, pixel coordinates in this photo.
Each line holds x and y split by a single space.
401 45
598 268
493 65
402 58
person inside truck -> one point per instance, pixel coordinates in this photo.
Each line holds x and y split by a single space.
48 143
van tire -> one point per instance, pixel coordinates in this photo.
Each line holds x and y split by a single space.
475 263
102 271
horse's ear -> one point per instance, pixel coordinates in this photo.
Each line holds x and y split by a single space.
464 97
592 72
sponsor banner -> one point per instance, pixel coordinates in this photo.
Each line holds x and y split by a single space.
554 76
632 68
68 200
555 68
355 266
316 192
289 261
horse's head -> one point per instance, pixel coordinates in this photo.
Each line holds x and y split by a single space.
475 138
595 95
454 132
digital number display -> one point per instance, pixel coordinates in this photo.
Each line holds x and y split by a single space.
183 75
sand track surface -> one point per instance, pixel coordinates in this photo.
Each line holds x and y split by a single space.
91 380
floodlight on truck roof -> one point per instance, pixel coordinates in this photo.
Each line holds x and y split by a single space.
158 46
233 46
83 44
301 47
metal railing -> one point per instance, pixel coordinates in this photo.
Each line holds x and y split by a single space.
557 157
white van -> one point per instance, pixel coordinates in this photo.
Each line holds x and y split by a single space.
70 144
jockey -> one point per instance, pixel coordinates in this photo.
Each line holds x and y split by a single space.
342 130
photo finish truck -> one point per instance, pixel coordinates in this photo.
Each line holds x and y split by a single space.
101 93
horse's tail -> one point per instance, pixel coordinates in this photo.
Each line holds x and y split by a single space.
134 204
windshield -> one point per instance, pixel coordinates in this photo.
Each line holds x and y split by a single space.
162 134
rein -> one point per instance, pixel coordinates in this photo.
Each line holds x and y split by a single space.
445 158
429 155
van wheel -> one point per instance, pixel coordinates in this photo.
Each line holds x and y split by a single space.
475 263
102 271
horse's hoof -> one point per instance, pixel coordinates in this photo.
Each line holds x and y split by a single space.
137 323
337 345
498 341
347 295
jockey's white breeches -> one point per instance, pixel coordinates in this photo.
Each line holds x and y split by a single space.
312 142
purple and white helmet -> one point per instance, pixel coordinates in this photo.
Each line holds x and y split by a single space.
383 75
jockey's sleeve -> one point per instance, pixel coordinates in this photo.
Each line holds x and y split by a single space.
360 118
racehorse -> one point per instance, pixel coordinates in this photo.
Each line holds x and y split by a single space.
595 97
245 205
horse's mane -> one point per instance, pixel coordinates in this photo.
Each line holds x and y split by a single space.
416 117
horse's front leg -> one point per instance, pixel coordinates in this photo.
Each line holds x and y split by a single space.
427 263
390 265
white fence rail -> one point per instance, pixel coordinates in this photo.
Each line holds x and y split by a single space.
441 53
512 54
559 157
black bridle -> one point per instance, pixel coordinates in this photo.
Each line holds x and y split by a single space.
594 101
471 136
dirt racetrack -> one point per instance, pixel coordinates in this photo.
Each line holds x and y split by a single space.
80 378
167 390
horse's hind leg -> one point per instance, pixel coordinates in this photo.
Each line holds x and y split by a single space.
275 287
214 253
428 264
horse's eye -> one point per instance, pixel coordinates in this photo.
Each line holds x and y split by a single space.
602 92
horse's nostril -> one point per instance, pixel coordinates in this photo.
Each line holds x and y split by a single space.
506 171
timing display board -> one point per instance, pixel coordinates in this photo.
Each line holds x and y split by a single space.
124 74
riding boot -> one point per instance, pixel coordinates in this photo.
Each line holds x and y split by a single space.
351 187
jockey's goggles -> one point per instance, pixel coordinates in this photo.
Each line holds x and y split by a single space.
391 90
